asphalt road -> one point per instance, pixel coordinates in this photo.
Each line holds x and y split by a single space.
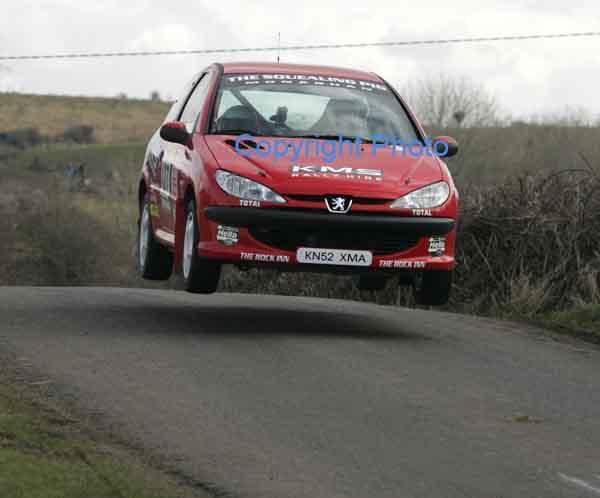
264 396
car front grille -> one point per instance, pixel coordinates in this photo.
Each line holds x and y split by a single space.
368 201
291 238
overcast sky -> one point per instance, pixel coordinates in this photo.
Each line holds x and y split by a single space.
527 77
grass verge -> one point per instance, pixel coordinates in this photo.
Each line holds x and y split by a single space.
46 453
583 322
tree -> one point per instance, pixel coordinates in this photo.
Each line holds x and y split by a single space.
155 96
443 102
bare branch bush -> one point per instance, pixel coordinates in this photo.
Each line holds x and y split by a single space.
530 245
443 101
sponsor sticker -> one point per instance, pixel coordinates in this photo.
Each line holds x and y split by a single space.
305 79
343 257
421 212
345 172
437 245
267 258
228 236
249 203
402 264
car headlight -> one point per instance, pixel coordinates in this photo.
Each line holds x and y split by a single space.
433 195
241 187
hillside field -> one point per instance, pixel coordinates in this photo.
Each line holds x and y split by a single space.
527 246
114 120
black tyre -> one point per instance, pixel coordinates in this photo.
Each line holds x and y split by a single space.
154 261
199 275
370 282
433 287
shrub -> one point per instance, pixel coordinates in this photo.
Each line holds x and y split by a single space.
532 243
525 247
22 138
79 134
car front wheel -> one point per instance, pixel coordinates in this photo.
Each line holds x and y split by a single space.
199 275
154 261
433 287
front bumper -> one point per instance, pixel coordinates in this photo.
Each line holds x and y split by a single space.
271 236
249 217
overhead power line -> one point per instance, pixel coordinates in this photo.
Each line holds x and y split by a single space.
89 55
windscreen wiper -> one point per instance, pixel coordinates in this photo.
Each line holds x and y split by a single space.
237 132
334 137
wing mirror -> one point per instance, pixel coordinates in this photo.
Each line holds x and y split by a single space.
176 132
445 146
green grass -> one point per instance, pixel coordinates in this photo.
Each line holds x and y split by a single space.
583 321
114 120
45 453
100 159
55 236
488 156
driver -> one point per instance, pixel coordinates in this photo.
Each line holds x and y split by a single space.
343 117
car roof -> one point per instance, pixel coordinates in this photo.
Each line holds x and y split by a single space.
305 69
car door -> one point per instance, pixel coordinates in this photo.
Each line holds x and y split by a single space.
177 157
158 174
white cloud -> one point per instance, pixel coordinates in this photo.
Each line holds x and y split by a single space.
166 37
527 76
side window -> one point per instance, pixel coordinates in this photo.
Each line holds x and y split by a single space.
173 111
195 101
226 101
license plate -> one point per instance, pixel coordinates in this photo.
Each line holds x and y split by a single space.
344 257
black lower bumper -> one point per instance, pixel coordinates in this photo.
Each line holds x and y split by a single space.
291 218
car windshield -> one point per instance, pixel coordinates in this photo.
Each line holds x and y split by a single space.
291 105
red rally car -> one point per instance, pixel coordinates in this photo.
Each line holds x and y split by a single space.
302 168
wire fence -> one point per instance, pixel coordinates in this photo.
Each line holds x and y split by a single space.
288 48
